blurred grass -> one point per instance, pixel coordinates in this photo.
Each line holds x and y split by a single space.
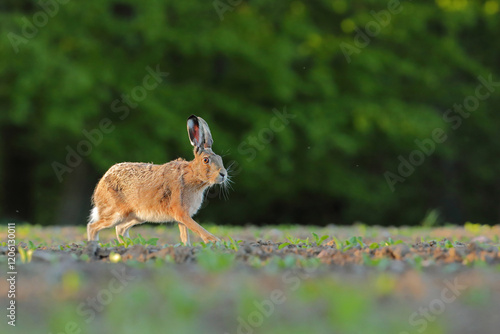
169 233
203 302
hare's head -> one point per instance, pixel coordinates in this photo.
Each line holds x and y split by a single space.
208 166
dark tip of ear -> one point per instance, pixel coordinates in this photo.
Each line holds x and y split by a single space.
192 116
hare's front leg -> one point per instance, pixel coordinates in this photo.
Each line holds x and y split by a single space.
184 234
189 222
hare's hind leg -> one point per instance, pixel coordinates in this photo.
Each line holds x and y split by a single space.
123 228
184 234
98 223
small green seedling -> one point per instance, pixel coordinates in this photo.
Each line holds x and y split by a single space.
338 244
319 240
31 245
283 245
391 242
139 240
25 255
233 244
296 241
353 242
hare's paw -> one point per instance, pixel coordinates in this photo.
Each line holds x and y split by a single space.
210 238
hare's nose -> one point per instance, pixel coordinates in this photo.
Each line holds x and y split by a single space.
222 174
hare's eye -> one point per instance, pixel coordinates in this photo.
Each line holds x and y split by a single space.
206 160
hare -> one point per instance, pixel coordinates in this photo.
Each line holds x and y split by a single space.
133 193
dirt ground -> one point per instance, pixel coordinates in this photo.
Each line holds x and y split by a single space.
261 280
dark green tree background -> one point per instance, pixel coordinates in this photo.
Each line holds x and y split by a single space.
361 81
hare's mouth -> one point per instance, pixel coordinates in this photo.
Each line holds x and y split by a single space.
224 180
221 178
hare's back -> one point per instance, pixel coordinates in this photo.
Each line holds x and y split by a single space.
127 175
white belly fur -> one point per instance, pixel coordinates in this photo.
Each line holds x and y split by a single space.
153 217
196 202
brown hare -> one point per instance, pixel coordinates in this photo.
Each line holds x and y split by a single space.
134 193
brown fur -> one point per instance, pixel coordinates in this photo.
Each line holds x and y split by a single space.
133 193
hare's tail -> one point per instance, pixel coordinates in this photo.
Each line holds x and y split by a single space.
94 216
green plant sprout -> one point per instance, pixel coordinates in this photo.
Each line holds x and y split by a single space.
319 240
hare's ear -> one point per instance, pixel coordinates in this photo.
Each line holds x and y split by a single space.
194 131
199 132
207 140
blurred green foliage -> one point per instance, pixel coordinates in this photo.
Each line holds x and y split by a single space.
236 66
